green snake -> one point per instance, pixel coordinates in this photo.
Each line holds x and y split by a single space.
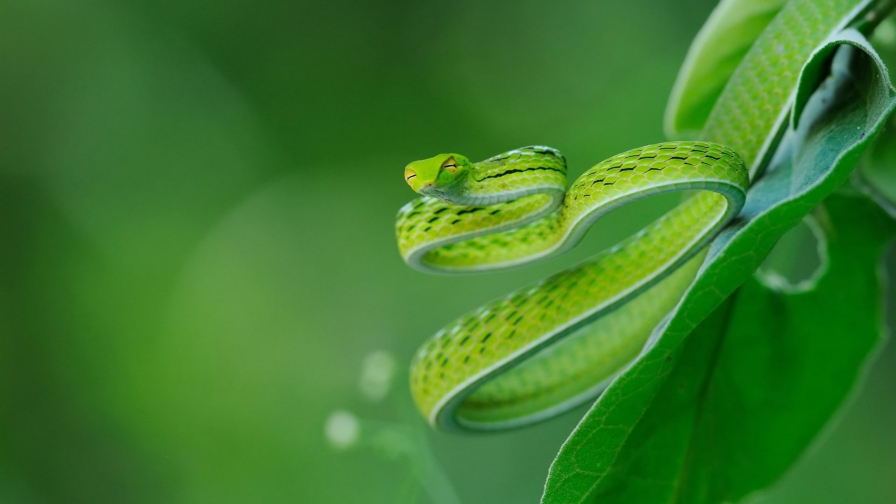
548 347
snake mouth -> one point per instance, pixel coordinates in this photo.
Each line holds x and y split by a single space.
428 189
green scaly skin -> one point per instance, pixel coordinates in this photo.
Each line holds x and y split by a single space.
548 347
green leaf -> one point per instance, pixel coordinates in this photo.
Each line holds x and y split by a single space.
756 381
876 174
647 439
715 53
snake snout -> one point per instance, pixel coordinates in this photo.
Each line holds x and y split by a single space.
417 183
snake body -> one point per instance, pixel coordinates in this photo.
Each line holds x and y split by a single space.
550 346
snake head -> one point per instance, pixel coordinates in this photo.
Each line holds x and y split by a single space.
437 175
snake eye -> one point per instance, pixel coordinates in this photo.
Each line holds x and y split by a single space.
450 165
409 174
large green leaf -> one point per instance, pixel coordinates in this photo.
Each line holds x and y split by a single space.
647 439
715 53
756 381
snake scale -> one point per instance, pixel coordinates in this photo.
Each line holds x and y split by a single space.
548 347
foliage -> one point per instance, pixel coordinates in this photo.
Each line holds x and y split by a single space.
715 410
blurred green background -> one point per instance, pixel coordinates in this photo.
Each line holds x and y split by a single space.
197 250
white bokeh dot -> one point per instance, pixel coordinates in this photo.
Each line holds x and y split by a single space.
376 375
342 429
